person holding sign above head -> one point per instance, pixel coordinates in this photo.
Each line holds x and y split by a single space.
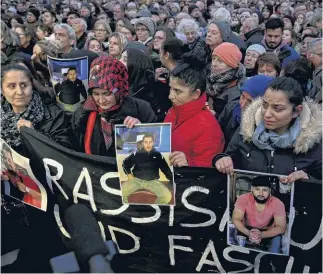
280 133
196 134
253 213
145 165
107 105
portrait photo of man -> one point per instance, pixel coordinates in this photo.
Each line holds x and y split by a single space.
143 167
259 218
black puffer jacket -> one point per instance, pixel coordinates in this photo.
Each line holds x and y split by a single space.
306 153
130 107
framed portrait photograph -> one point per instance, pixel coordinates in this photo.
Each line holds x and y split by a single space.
146 176
260 210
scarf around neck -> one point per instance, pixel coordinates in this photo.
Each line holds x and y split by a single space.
270 140
106 126
218 83
34 113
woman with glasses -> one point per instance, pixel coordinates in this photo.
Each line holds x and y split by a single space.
123 22
145 29
102 32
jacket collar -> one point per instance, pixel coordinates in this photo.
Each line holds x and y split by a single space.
310 121
188 110
252 32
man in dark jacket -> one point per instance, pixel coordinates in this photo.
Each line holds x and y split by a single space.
252 32
69 91
273 42
142 168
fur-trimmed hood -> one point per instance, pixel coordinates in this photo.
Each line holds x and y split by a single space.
310 121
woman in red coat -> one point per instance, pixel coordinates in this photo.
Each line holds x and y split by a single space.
196 134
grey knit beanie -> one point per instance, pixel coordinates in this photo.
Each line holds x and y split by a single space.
148 23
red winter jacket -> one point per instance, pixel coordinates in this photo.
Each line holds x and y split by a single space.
195 132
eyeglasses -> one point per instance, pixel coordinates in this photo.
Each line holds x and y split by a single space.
100 30
119 25
141 29
216 59
319 54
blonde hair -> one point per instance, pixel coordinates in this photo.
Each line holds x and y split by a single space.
122 40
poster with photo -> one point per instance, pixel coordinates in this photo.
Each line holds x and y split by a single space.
145 173
260 212
69 78
18 180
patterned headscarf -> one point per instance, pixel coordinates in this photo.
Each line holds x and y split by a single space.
109 74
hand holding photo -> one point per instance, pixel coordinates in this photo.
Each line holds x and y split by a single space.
146 176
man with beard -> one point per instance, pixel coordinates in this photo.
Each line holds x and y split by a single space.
273 42
142 168
253 214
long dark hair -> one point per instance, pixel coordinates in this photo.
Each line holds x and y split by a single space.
140 70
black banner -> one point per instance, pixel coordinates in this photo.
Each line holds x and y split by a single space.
190 237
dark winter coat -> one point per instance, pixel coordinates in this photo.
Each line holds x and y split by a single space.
254 36
81 41
228 124
316 91
130 107
54 125
146 165
230 95
198 53
305 154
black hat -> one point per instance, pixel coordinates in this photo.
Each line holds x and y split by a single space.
264 180
35 12
191 8
73 12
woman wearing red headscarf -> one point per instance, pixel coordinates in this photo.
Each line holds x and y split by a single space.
107 105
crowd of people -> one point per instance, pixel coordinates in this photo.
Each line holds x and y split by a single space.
240 81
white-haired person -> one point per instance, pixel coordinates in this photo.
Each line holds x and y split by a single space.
197 48
80 27
65 34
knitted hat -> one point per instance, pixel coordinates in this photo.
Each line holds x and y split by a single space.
229 54
257 48
191 8
148 23
35 12
110 74
256 85
144 13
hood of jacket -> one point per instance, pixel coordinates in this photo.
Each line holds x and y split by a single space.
310 121
224 29
253 32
